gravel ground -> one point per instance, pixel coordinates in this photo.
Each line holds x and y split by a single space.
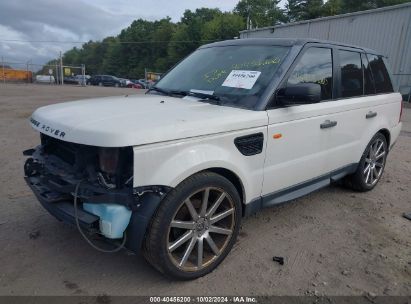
334 241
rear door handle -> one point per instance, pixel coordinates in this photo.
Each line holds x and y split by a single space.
370 114
328 124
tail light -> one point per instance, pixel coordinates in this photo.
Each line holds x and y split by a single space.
108 159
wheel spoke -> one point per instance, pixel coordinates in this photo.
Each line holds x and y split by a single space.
204 202
368 175
216 204
377 157
219 230
379 148
191 209
368 160
184 238
182 224
367 168
375 173
212 245
200 243
220 216
374 147
188 251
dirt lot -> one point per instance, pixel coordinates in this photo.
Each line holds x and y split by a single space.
335 242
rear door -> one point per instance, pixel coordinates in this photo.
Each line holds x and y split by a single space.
348 110
296 154
360 109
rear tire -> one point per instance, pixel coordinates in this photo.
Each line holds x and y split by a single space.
194 228
371 166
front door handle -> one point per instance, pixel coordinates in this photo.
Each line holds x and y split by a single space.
328 124
370 114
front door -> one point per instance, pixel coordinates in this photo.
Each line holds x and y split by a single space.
296 157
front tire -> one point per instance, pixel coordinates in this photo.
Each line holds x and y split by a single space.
195 227
371 166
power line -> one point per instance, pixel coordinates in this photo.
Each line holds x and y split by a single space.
105 42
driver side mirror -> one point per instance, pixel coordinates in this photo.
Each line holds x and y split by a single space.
302 93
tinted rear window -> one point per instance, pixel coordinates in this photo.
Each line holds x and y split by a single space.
369 87
380 74
351 74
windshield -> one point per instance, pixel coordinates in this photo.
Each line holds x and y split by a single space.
236 75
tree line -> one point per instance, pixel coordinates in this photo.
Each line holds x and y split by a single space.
158 45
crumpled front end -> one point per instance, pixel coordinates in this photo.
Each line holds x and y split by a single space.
108 205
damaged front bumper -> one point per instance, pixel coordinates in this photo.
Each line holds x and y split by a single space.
53 182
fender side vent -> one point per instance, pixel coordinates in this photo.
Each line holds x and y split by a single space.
250 144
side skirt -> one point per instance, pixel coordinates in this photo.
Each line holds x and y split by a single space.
298 190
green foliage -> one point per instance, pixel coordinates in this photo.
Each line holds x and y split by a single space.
260 12
222 27
332 7
304 9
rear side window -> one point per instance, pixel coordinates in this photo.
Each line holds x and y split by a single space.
380 74
351 74
315 66
369 87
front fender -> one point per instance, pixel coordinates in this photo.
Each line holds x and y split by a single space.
169 164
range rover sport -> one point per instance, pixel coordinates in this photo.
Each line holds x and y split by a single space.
236 126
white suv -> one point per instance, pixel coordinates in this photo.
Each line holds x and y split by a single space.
236 126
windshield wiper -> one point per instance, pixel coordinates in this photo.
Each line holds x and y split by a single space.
210 98
168 93
154 88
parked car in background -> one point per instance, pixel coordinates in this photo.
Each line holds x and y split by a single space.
105 80
125 83
142 82
45 79
82 80
135 86
70 80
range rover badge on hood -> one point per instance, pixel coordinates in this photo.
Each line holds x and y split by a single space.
47 129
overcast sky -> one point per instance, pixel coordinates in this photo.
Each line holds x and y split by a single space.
78 20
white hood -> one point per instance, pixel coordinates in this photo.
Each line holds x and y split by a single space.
139 119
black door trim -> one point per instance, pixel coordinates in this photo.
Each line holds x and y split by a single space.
296 191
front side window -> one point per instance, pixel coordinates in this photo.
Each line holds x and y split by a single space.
237 74
351 74
380 74
315 66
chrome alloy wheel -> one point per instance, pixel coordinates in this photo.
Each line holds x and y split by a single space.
201 229
374 162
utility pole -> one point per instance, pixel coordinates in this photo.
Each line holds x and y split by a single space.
57 72
4 75
27 71
61 69
83 75
248 16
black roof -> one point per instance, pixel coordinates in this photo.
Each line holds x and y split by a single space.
283 42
